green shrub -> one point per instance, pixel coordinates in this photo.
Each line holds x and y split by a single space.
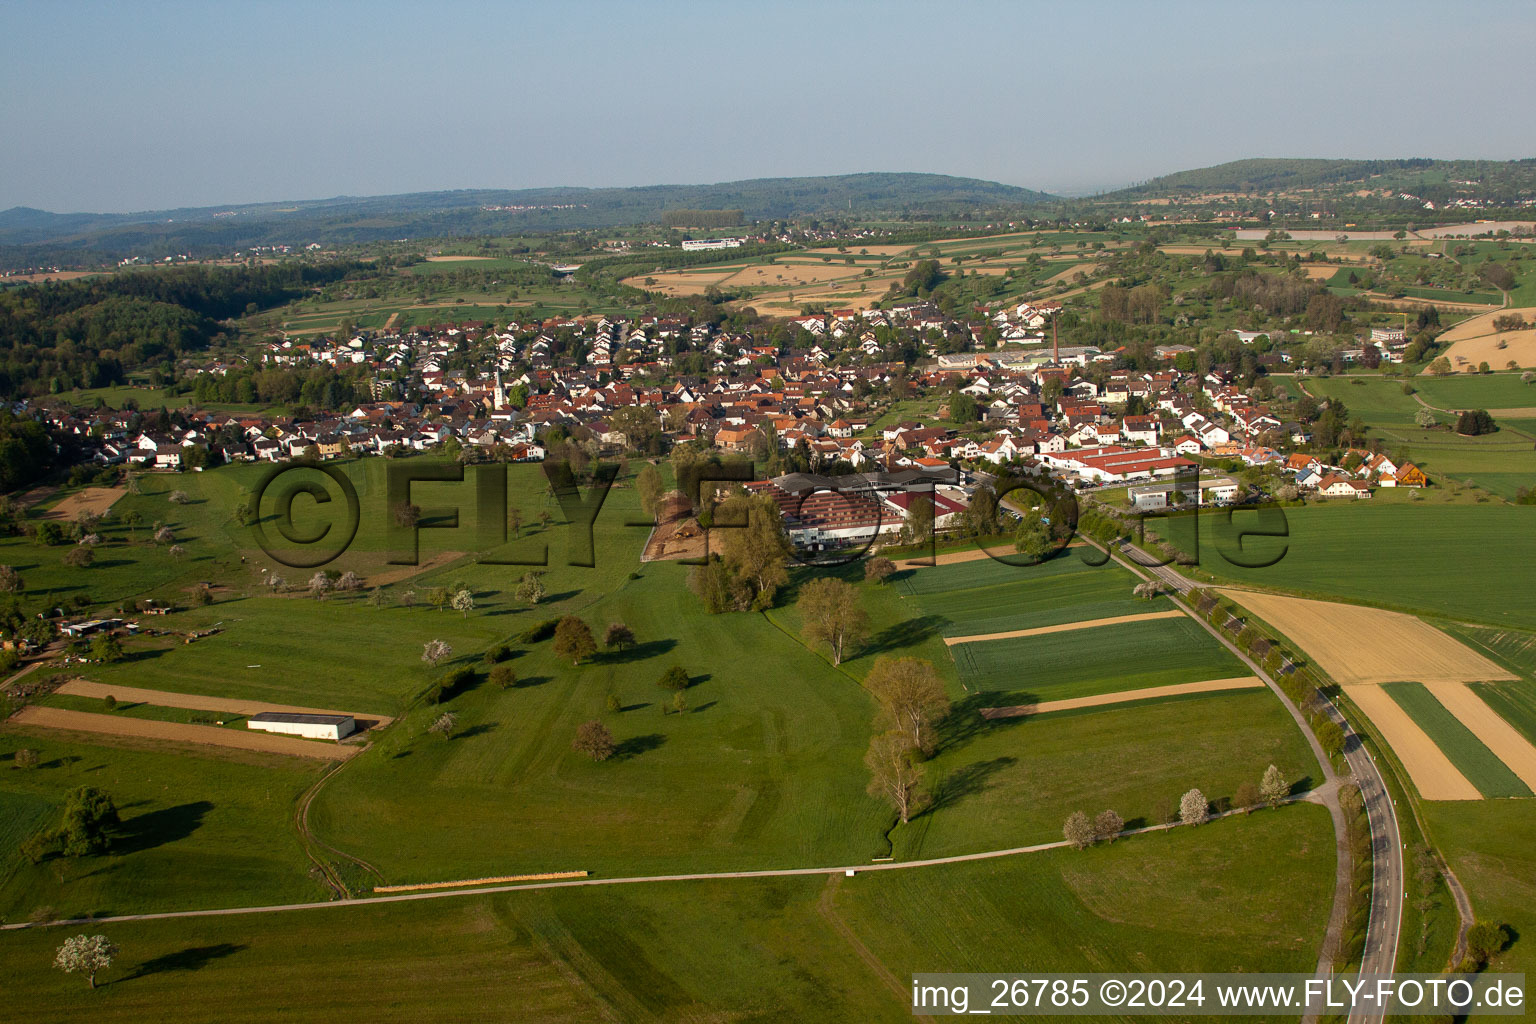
539 631
456 682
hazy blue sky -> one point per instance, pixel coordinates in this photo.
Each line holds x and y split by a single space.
131 106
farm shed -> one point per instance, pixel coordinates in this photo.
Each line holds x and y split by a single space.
315 727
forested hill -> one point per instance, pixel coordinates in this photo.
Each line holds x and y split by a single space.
1493 177
35 237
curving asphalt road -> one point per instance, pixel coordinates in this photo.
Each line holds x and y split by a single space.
1387 881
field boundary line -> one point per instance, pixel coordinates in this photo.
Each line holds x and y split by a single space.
1127 696
1064 627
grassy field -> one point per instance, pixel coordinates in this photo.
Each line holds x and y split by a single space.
1501 462
1103 659
1243 894
1492 848
1477 391
1471 757
1062 590
200 829
1466 562
1015 781
763 769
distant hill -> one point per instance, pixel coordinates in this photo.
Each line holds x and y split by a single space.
1498 177
31 237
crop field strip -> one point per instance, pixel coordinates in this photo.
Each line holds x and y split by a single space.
1472 758
1357 645
1088 662
1493 731
1432 772
1065 627
1148 694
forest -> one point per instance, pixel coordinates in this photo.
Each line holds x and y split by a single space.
94 332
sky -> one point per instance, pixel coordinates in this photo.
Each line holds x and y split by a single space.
144 106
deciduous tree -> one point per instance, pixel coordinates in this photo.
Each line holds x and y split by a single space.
1107 825
1274 788
86 954
1079 831
573 639
896 771
1193 808
911 696
434 651
530 590
832 613
594 740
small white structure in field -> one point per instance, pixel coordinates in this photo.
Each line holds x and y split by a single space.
314 727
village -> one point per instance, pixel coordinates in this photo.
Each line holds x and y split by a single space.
824 413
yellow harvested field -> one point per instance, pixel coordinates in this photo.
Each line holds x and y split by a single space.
1431 771
1319 271
1122 696
786 274
678 282
197 702
1359 645
93 500
1475 341
176 732
456 259
1506 742
1063 627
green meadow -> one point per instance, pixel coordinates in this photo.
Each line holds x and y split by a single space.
1101 659
1502 462
1464 562
1245 893
761 769
991 597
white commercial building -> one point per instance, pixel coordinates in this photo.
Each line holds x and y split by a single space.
314 727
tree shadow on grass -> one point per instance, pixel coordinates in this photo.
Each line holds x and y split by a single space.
167 825
637 745
634 707
965 720
532 681
193 958
562 596
965 781
639 652
476 730
903 634
703 707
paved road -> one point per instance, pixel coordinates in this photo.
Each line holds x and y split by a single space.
846 869
1387 882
